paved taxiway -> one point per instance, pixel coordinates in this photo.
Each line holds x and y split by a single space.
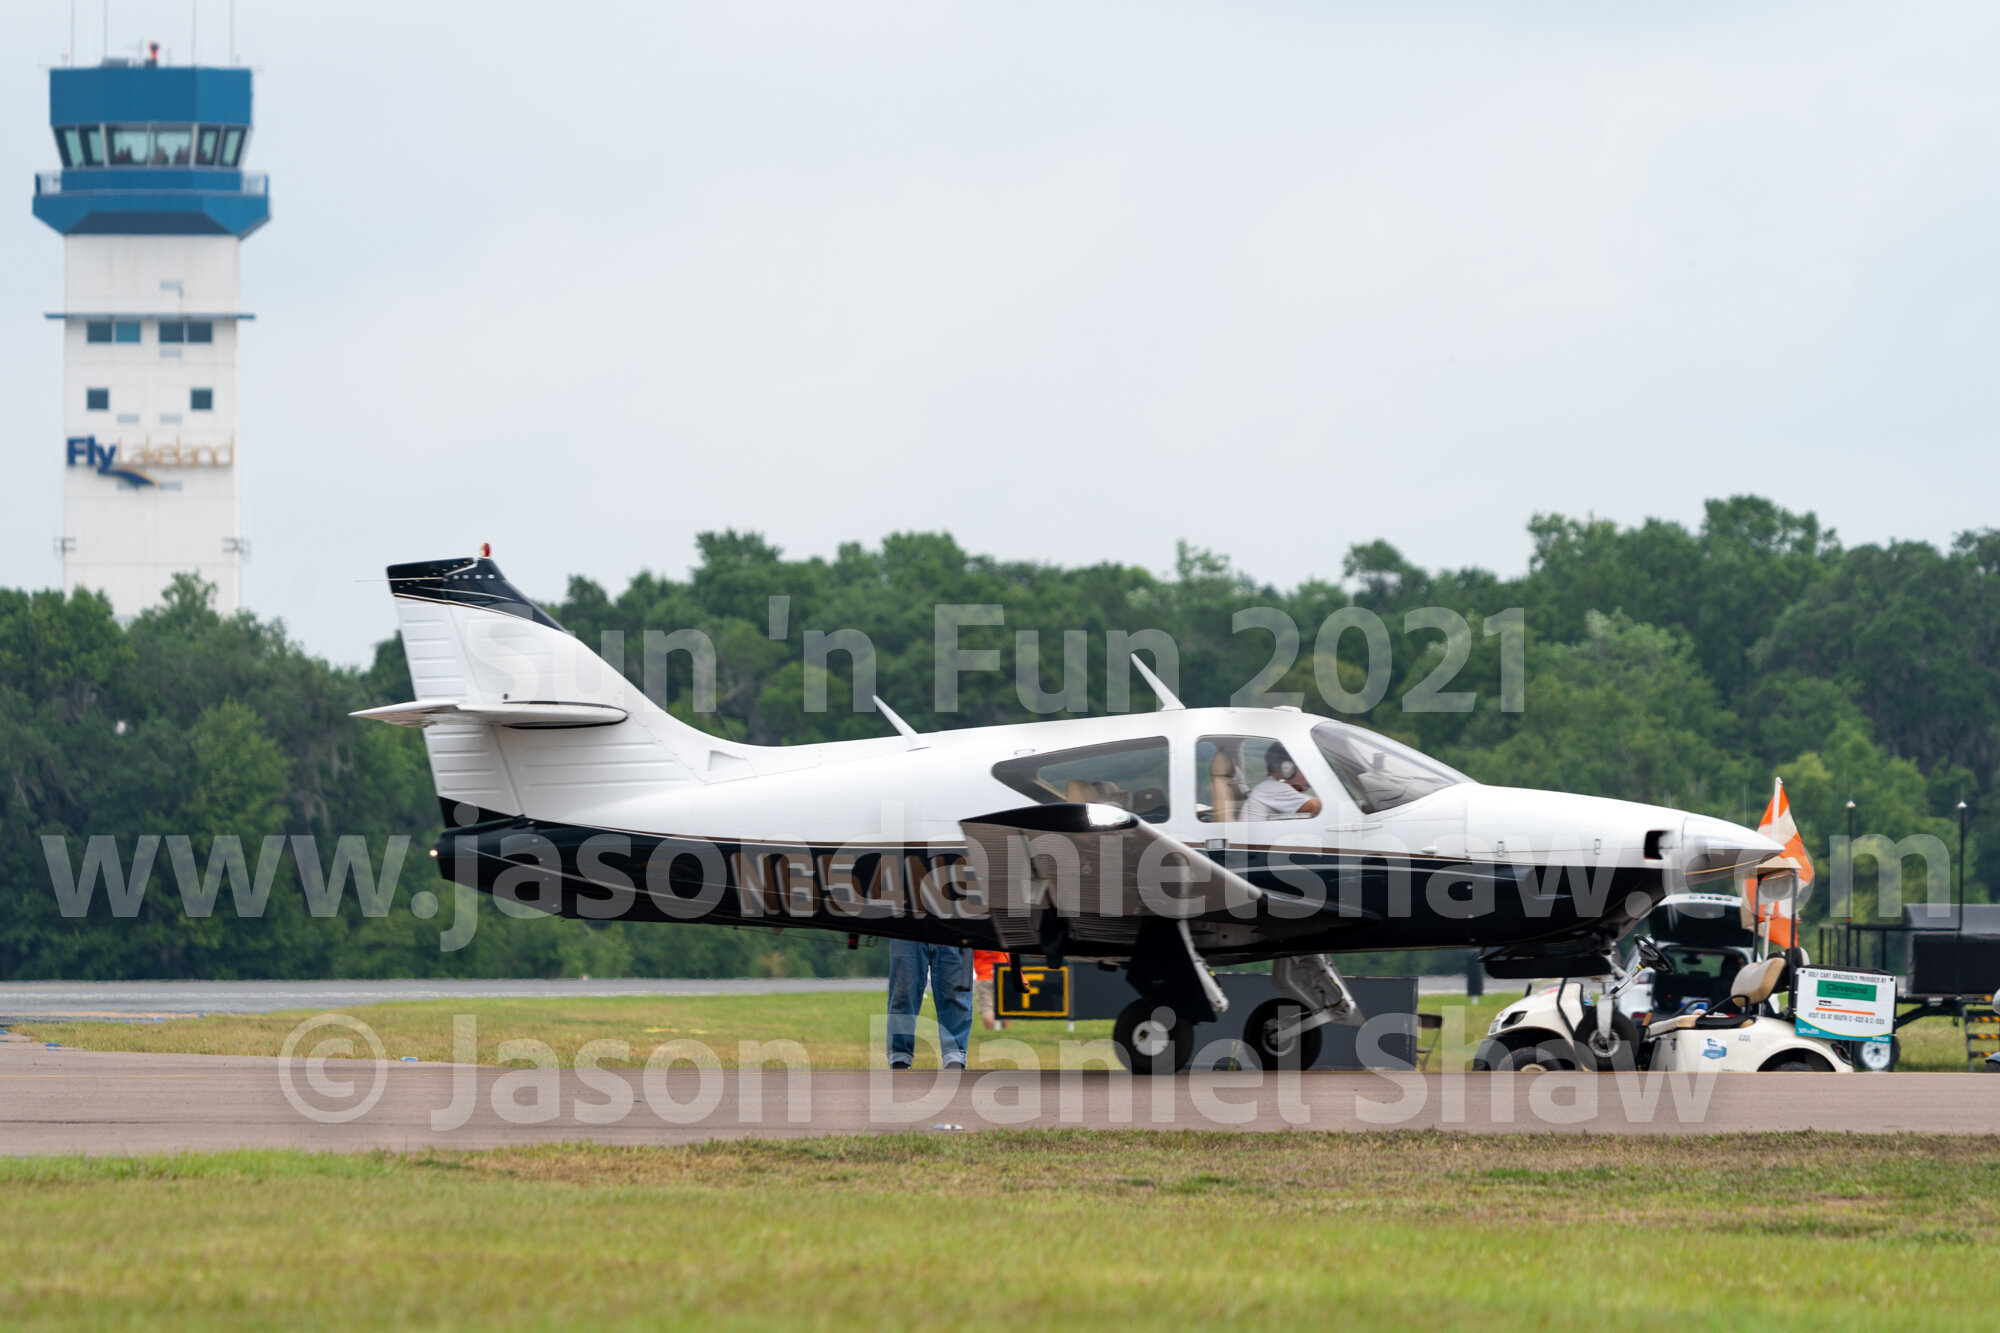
70 1101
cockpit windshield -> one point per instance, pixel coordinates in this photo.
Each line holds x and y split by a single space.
1378 773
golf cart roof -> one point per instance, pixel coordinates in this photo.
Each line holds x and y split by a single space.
1708 920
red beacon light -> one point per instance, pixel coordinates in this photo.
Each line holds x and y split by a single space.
486 550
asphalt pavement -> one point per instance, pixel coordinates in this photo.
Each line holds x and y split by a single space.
73 1101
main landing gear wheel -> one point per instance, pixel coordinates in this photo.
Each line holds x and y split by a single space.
1299 1051
1152 1039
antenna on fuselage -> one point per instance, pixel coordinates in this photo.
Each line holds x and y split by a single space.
904 729
1168 701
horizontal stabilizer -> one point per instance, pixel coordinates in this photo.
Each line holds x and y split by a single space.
538 714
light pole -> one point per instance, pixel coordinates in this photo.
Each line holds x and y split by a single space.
1958 944
1848 953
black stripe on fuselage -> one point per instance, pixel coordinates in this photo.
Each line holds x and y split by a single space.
1337 901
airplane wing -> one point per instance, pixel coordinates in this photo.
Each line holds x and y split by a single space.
538 713
1074 875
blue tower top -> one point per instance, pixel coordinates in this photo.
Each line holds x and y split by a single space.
151 150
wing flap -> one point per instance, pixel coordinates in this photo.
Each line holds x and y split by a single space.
1089 875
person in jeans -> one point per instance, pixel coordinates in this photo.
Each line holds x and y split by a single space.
948 971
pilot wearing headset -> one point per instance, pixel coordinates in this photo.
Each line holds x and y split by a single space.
1284 792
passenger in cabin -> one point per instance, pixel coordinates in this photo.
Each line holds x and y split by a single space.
948 971
1284 793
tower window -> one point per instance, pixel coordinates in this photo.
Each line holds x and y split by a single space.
200 400
97 400
201 330
173 145
80 145
173 330
97 330
204 146
232 145
131 145
125 331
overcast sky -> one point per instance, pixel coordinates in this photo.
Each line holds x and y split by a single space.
1072 281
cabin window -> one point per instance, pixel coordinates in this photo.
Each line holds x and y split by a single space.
1131 775
1378 773
1227 769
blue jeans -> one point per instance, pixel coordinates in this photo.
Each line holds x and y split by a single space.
948 970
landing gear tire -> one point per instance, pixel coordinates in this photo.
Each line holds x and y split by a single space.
1149 1046
1538 1057
1300 1051
1620 1053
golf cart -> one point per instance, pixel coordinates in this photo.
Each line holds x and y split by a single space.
1697 995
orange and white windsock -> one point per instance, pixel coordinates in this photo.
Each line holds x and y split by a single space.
1777 825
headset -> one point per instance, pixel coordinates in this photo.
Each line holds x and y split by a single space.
1279 764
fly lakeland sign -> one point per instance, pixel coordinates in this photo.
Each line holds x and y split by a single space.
116 460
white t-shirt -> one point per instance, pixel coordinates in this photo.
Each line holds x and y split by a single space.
1272 799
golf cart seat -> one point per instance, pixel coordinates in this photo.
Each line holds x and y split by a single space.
1754 984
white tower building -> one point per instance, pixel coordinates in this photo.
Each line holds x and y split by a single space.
152 203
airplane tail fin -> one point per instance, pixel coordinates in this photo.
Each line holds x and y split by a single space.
519 717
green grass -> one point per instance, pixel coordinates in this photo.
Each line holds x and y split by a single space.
1023 1230
833 1027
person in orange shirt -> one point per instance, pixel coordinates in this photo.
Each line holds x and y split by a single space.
986 987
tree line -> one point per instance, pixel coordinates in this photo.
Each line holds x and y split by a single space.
1653 662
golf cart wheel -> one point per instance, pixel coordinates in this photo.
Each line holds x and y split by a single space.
1296 1052
1148 1045
1877 1057
1798 1062
1538 1056
1620 1053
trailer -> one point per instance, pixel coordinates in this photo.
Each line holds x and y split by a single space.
1947 957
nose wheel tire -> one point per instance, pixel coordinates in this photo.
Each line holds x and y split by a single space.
1153 1039
1619 1051
1299 1051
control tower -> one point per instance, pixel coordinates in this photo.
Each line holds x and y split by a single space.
152 201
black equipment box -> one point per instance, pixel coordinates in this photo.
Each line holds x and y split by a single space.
1944 962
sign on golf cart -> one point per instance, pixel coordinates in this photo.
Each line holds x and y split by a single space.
1846 1006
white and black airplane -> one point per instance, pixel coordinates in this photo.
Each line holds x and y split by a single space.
1117 839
